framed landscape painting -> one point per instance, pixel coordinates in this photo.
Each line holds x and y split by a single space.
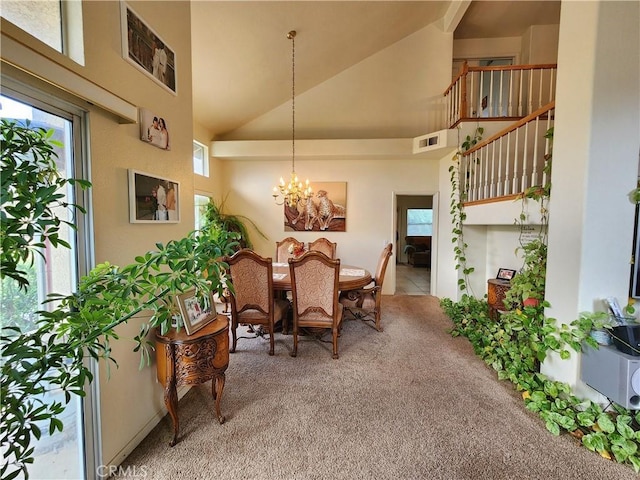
153 199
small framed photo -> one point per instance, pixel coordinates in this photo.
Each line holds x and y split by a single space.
154 129
153 199
505 274
145 50
196 310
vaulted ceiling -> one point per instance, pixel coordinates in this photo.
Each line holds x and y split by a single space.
242 59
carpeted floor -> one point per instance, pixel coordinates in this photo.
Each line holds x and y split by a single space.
408 403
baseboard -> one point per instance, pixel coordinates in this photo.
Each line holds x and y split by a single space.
142 434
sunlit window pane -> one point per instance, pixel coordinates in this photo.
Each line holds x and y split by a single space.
419 222
200 202
60 455
200 159
40 18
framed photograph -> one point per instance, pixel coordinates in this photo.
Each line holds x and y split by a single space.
326 211
144 49
197 311
153 199
505 274
154 129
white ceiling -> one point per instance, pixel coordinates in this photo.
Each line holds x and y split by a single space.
242 59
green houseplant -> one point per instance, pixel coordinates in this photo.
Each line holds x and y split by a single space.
221 220
527 286
50 352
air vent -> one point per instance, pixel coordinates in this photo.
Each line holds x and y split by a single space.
430 141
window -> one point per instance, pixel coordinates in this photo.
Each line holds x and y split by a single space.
56 23
419 222
200 159
200 202
73 448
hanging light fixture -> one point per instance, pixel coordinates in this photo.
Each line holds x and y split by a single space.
294 192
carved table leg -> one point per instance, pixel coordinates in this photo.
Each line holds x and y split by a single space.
217 384
171 402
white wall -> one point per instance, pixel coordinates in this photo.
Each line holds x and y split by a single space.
540 44
595 161
487 48
371 186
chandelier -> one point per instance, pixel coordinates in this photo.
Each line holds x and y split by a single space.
295 191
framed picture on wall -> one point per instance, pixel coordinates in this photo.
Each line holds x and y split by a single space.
145 50
153 199
154 129
326 211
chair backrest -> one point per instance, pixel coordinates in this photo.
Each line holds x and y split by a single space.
282 248
314 285
382 264
323 245
252 280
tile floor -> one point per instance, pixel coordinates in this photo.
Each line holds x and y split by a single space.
412 280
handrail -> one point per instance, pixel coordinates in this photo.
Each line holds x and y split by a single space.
533 66
510 161
514 126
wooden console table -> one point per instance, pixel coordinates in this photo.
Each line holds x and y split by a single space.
496 291
183 359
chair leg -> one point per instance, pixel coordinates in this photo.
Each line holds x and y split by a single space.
378 326
271 340
234 336
335 342
295 340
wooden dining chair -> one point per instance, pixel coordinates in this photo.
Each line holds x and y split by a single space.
282 249
252 299
314 283
323 245
364 304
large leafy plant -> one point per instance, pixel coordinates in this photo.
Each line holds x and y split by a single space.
515 347
524 336
50 353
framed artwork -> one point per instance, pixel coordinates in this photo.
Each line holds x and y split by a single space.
153 199
326 211
197 311
144 49
154 129
505 274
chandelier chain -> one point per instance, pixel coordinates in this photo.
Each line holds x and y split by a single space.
293 99
294 193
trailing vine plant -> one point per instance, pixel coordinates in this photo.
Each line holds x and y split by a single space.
516 346
459 189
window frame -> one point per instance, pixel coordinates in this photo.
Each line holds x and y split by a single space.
204 160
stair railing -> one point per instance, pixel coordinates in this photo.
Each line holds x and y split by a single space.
510 161
506 92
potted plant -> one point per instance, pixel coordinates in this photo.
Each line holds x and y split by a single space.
50 352
527 287
231 223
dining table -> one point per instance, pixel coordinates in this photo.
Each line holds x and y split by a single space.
351 277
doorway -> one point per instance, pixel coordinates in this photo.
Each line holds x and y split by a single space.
414 234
